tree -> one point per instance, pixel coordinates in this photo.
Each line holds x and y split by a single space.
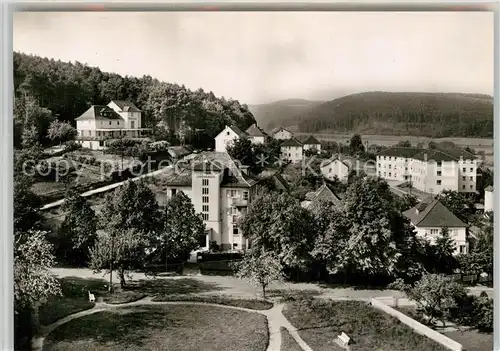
26 206
461 205
435 295
33 282
277 222
356 144
404 143
407 202
483 313
260 268
181 229
444 251
242 150
79 227
60 131
129 220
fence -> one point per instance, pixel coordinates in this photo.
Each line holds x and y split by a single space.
418 327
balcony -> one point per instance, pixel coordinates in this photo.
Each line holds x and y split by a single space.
239 202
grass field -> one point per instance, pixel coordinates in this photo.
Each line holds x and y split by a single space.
221 300
288 343
173 327
320 322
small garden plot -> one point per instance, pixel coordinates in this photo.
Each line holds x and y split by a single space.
319 323
172 327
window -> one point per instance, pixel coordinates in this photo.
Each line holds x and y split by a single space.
390 158
204 182
472 186
454 232
235 245
228 133
204 191
118 123
439 163
235 230
385 157
132 124
385 174
379 165
174 191
434 231
245 195
471 178
390 174
233 211
109 122
390 166
379 174
205 199
472 169
231 193
205 216
463 249
463 186
464 169
205 208
438 182
439 173
463 178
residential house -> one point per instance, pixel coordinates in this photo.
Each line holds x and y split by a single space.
177 153
227 136
282 134
430 170
488 199
321 195
291 150
99 123
221 191
256 135
429 218
337 167
311 143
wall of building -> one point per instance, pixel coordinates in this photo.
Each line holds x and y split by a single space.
488 201
335 168
258 139
317 147
292 153
224 139
458 235
467 175
283 135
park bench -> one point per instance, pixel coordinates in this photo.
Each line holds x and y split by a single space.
344 339
91 297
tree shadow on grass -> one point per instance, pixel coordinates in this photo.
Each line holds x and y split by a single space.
290 294
172 286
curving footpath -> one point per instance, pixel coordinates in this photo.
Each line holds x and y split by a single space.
275 320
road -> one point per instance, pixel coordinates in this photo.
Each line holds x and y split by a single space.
106 188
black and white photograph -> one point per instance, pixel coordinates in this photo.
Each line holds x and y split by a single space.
255 181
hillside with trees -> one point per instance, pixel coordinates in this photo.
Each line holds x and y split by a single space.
386 113
63 91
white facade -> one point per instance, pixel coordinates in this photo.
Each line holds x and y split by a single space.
430 176
283 134
457 234
257 139
335 168
293 154
488 199
225 138
132 119
316 147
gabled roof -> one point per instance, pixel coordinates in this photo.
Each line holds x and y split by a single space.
255 131
438 154
291 142
433 214
279 129
126 106
102 112
348 162
323 194
237 130
311 140
177 151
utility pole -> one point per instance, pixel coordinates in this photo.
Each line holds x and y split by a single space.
110 289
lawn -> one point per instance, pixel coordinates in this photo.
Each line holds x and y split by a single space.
288 343
472 340
320 322
74 298
173 327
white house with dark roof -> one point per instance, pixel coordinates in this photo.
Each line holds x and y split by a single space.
311 143
282 134
429 218
430 170
227 136
256 135
337 167
292 150
103 122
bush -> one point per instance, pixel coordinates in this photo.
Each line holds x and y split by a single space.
220 256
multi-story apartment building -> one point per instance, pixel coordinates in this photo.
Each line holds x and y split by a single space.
103 122
221 191
430 171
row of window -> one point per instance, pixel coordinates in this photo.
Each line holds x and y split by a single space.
235 193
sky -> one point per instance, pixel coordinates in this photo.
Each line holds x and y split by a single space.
259 57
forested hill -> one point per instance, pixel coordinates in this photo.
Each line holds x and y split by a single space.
68 89
420 114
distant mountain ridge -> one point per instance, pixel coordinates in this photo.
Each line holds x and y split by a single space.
386 113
